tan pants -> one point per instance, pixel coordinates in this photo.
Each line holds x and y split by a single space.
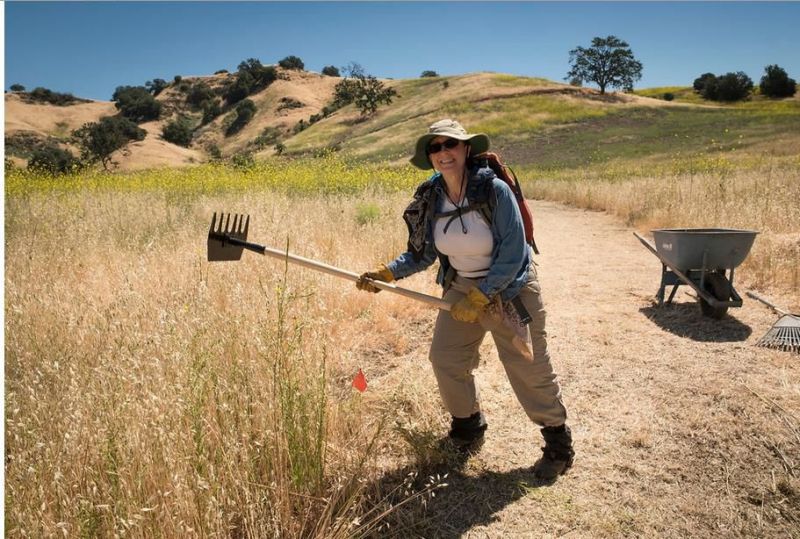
454 355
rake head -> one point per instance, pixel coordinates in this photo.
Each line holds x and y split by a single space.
222 231
783 335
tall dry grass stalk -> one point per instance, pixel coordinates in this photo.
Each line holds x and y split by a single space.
152 394
765 198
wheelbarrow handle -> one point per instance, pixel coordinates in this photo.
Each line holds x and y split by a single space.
337 272
766 302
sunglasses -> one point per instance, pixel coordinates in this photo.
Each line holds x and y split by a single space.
437 147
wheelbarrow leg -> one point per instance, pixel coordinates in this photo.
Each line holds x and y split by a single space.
668 278
672 294
663 287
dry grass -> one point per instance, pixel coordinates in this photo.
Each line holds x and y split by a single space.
150 393
763 197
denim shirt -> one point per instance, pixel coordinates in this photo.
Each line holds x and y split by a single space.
511 256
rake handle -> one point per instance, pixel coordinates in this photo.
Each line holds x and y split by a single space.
766 302
337 272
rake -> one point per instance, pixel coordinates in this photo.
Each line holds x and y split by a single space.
785 333
227 240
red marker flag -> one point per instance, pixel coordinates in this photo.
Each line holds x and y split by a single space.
360 381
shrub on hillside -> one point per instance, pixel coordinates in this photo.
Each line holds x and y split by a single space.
733 86
240 88
17 88
43 95
668 96
775 82
244 113
213 151
251 77
268 137
700 82
292 62
289 103
344 92
429 74
52 160
727 87
211 109
136 103
156 86
177 79
330 71
220 71
24 143
243 161
178 132
198 94
98 140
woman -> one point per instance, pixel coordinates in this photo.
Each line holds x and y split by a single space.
485 265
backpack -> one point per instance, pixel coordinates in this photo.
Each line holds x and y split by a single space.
488 201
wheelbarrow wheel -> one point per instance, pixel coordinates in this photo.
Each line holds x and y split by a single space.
718 286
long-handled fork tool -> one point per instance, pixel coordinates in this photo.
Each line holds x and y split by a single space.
227 238
785 333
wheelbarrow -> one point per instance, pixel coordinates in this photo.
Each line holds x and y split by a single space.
705 260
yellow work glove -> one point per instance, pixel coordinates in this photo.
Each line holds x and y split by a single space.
381 274
469 308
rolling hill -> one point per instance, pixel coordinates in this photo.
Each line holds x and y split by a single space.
531 121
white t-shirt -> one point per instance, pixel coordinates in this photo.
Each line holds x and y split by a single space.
471 253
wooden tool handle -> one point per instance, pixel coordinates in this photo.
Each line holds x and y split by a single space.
337 272
766 302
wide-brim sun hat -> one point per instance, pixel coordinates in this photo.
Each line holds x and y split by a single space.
478 142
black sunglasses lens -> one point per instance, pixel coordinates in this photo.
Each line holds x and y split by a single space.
436 147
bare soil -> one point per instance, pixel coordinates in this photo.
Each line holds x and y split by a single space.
682 426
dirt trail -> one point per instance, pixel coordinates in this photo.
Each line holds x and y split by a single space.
682 426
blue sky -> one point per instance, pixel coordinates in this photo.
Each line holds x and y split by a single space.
90 48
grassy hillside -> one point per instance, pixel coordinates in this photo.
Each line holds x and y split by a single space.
531 121
552 126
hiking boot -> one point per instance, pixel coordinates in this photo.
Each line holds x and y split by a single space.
558 453
466 433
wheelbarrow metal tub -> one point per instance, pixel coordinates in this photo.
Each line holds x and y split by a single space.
700 258
703 248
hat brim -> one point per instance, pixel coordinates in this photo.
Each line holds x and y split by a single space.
478 142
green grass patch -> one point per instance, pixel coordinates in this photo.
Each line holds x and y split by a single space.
367 212
502 79
652 134
523 114
682 94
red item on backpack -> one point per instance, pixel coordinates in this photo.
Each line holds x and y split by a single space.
505 173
